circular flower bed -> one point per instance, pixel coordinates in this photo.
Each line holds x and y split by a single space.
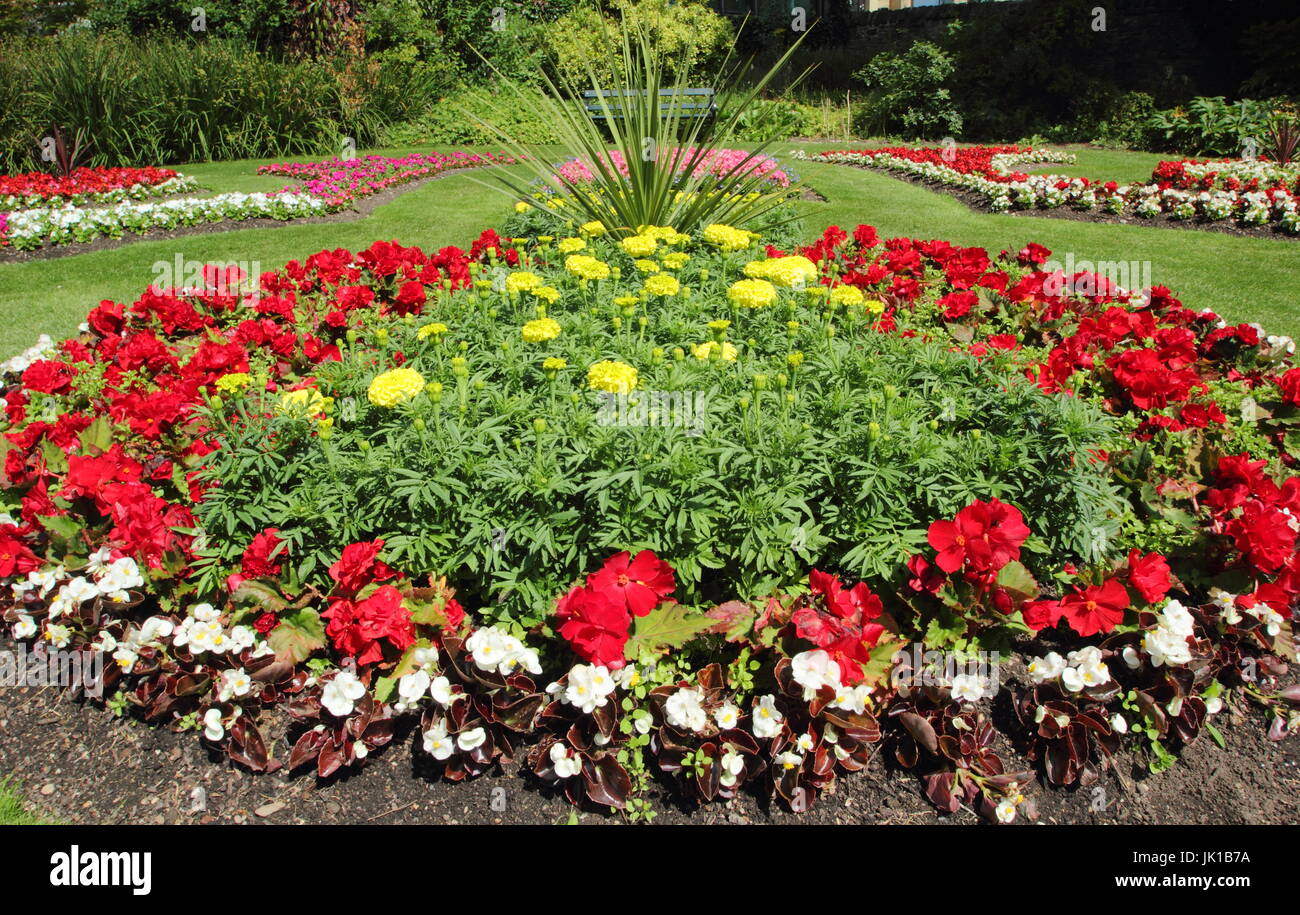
667 506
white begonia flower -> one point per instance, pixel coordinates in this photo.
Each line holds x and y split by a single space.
60 605
360 750
1131 657
341 693
767 718
471 739
1119 724
1227 604
205 613
122 575
495 650
235 683
967 688
436 742
440 690
79 590
589 687
1005 810
242 638
100 561
45 580
213 729
412 687
643 722
58 635
1072 679
25 628
684 711
1166 648
425 656
805 743
852 698
732 764
566 764
125 658
727 716
814 669
1177 618
1214 705
789 760
1271 619
1048 667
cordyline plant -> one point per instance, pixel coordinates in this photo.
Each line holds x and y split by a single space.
662 147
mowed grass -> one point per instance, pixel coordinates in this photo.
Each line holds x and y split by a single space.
1243 278
13 809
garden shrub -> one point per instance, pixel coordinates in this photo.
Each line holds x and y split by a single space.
1213 126
691 38
908 93
458 119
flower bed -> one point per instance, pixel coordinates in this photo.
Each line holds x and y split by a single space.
89 186
1249 193
328 187
458 487
716 163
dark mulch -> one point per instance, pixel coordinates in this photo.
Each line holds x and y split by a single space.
80 764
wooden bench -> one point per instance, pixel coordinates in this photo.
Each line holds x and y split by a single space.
688 104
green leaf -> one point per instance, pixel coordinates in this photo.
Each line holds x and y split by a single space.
1017 580
667 626
299 634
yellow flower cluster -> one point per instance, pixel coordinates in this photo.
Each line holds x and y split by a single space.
307 402
846 295
676 260
593 229
436 329
233 382
614 377
570 245
705 350
728 238
586 267
547 294
752 293
784 271
395 386
522 281
541 330
663 285
639 245
554 364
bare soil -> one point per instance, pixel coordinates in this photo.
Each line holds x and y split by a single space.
79 764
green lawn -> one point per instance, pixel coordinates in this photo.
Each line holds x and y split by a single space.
13 809
1245 279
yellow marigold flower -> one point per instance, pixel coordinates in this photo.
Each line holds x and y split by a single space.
663 233
523 206
593 229
436 329
623 301
703 351
395 386
727 237
571 244
795 359
304 402
521 281
614 377
875 306
676 260
232 382
752 293
554 364
846 295
639 245
663 284
646 266
784 271
719 325
541 330
586 267
546 293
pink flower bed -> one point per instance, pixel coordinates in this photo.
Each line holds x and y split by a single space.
340 181
717 163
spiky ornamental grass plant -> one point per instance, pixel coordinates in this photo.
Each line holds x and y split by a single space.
661 146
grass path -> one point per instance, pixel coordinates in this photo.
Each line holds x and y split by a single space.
1245 279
